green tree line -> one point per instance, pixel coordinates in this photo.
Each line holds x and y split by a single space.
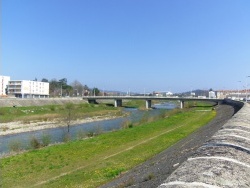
61 88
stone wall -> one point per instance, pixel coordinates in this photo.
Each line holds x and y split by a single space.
223 161
7 102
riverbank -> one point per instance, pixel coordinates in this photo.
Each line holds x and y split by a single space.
20 127
154 171
21 119
94 161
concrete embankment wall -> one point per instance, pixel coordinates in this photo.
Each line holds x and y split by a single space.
6 102
223 161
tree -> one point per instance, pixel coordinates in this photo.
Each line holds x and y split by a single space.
69 107
44 80
86 90
60 88
67 90
95 91
78 88
54 88
63 81
6 90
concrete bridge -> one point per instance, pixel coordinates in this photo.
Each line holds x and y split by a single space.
148 99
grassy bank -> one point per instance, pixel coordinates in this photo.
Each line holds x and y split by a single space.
94 161
50 112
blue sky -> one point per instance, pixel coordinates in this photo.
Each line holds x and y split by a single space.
136 45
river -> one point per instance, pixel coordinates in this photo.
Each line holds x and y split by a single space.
57 135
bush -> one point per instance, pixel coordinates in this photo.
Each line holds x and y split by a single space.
149 177
66 137
127 124
90 134
34 143
81 135
15 145
2 112
98 130
46 139
144 118
111 173
52 108
130 125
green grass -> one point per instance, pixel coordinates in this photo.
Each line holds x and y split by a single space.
49 112
94 161
134 104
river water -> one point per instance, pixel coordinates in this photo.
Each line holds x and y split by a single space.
57 135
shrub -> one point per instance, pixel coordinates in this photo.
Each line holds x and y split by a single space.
126 124
66 137
98 130
112 172
52 108
46 139
149 177
5 128
15 145
144 118
2 112
90 134
34 143
130 125
81 135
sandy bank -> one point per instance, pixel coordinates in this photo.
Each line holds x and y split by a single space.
20 127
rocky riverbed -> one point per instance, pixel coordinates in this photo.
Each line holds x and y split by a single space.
154 171
20 127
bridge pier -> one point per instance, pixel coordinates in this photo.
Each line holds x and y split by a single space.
219 103
148 104
118 102
182 104
92 101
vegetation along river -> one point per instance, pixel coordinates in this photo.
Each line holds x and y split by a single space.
57 135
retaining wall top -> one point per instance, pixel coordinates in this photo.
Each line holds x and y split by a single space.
223 161
9 102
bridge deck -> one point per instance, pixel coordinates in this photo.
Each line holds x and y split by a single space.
151 98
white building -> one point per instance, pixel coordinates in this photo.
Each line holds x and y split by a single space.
212 95
28 89
4 80
169 93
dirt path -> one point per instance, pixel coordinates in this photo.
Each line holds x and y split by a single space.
154 171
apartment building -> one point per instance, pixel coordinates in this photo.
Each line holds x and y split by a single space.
28 89
4 80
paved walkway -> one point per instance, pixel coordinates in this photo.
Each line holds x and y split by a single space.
223 161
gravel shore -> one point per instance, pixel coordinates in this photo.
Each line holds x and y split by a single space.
154 171
20 127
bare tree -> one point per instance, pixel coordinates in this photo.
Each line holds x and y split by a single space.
78 88
69 107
